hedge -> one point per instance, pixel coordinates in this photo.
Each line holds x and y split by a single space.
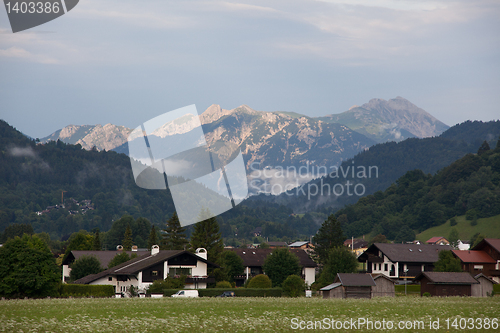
496 288
169 292
410 289
242 292
86 290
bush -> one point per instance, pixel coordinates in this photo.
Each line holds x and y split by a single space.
223 284
260 281
86 290
453 221
158 286
474 221
426 294
242 292
293 286
470 214
168 292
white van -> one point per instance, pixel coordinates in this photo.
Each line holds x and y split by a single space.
186 293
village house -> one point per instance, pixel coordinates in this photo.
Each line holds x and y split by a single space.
358 246
448 284
476 262
438 241
484 288
142 271
253 260
492 247
384 286
401 261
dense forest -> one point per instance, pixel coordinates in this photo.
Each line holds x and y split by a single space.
34 176
392 160
417 201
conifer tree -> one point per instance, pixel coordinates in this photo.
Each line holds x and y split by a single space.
484 148
174 237
96 246
127 239
153 239
328 236
206 235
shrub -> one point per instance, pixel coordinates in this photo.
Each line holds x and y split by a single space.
158 286
474 221
86 290
426 294
223 284
242 292
260 281
453 221
293 286
470 214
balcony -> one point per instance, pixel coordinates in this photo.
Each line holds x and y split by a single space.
197 279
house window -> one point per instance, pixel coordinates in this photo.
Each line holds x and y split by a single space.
379 267
386 267
374 267
154 273
110 278
478 266
179 271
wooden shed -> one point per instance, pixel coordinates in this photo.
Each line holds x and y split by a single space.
349 285
484 288
446 283
384 287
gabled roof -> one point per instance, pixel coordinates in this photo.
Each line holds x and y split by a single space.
434 240
104 256
283 244
256 257
493 242
355 280
381 276
141 263
479 257
481 275
356 244
424 253
447 278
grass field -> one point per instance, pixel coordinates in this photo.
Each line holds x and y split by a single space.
238 314
490 227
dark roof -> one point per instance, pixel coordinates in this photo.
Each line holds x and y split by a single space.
357 244
256 257
353 279
277 244
493 242
138 264
481 275
479 257
424 253
447 277
103 256
377 276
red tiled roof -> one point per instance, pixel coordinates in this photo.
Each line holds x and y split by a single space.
479 257
434 240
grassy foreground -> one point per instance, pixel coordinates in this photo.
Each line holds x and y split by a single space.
235 315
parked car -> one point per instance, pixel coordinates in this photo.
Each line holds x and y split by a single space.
186 293
226 294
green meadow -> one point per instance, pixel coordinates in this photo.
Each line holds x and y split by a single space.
489 227
247 314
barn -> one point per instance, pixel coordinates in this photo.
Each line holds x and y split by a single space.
446 283
485 286
384 287
349 285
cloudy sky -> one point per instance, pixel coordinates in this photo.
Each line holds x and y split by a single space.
124 62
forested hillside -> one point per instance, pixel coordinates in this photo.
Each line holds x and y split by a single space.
418 201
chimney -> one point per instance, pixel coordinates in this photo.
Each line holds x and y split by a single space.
155 249
119 248
201 252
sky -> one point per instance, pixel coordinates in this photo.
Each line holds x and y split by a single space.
124 62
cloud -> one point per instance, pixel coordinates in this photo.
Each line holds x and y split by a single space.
20 53
23 152
29 153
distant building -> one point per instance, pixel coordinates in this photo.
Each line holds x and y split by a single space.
350 285
357 245
438 241
446 283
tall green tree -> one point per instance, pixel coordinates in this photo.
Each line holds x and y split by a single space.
328 236
27 268
79 241
84 266
174 237
340 260
447 262
232 265
206 235
96 246
127 239
453 238
14 230
153 238
280 264
484 148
